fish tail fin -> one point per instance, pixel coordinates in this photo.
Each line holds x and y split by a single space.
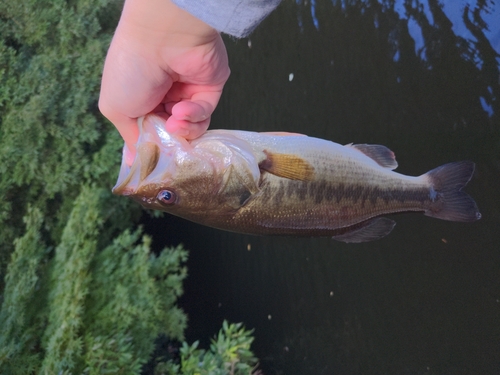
448 201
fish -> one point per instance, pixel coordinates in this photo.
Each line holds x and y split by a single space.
288 184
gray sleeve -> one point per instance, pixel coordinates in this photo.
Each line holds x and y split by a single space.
234 17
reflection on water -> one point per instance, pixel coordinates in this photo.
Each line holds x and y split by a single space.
424 300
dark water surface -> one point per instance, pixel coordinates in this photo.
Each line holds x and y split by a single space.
425 299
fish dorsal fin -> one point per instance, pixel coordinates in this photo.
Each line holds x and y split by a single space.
380 154
369 230
288 166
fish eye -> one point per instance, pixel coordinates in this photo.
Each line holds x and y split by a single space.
166 197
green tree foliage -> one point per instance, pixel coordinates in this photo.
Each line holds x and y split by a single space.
80 293
86 309
52 138
229 354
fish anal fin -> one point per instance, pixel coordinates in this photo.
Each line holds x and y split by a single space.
369 230
288 166
380 154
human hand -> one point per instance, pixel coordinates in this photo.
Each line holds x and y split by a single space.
162 60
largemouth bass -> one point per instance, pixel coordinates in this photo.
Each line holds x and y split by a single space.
286 184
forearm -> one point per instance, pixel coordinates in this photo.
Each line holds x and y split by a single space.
161 23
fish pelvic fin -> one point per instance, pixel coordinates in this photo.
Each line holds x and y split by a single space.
380 154
288 166
368 230
448 201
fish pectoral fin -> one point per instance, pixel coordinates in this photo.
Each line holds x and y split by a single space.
288 166
369 230
380 154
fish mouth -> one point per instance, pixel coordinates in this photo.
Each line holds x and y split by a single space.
148 150
145 162
153 160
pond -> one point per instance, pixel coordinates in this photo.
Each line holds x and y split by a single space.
420 78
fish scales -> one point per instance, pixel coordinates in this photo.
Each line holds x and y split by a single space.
330 203
274 183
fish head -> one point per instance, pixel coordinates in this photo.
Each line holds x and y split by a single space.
191 179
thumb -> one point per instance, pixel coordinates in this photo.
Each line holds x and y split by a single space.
190 118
